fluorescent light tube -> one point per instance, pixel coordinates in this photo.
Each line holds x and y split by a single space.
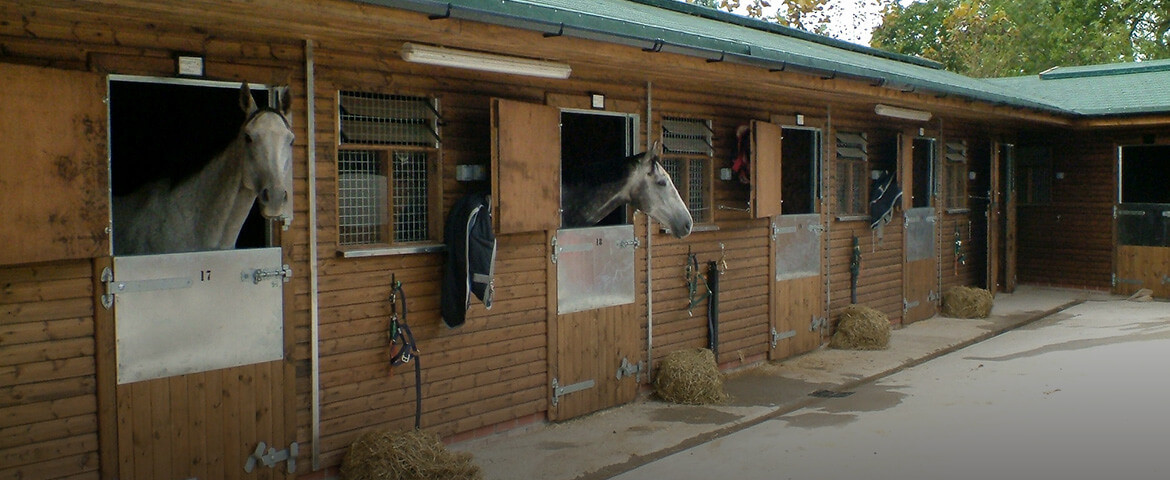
487 62
903 113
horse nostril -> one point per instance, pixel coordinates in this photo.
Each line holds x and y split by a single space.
264 196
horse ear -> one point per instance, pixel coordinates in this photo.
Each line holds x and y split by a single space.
285 100
247 103
657 148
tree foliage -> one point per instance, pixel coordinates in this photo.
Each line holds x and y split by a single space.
986 38
810 15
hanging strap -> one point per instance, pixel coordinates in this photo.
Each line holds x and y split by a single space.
403 339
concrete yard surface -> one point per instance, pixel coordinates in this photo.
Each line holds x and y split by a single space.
655 435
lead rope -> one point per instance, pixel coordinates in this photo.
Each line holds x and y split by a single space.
400 334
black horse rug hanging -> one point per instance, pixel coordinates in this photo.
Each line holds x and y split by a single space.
471 258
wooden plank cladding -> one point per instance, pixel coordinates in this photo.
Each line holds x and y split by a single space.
63 416
48 408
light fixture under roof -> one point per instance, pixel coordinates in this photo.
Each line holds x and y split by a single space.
487 62
903 113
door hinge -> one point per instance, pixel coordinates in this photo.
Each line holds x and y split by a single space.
559 391
907 305
554 249
933 297
778 336
272 456
628 369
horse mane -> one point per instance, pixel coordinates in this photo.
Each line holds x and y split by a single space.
600 172
191 169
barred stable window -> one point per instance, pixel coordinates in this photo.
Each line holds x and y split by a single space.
852 174
956 175
388 162
687 151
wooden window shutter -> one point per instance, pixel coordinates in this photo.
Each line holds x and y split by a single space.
53 171
765 169
526 166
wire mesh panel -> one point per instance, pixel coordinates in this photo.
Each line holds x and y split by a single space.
361 192
410 196
688 147
698 196
385 193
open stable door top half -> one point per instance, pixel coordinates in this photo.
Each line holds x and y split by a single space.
766 198
526 153
53 176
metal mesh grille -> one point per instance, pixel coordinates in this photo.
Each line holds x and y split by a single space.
673 166
690 178
410 196
379 119
697 201
361 192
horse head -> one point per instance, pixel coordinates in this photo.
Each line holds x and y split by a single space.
267 140
654 193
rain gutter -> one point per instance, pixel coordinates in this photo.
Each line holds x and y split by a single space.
553 21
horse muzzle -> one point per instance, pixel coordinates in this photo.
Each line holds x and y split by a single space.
272 201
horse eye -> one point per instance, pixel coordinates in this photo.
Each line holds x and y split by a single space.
662 182
247 138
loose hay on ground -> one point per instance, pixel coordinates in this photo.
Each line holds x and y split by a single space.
690 376
966 302
411 455
861 328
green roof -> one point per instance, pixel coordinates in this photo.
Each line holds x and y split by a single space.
1112 89
677 27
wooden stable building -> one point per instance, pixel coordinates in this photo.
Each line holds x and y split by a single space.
401 107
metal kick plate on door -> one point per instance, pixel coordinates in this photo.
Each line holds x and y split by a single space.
595 267
211 317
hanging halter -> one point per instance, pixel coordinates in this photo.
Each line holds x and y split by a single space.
402 339
694 280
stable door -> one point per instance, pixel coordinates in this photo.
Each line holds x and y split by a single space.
594 332
1142 217
920 271
799 320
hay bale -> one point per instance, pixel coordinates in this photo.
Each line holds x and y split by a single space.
966 302
690 376
861 328
411 455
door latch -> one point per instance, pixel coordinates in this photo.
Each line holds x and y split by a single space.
260 274
273 456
